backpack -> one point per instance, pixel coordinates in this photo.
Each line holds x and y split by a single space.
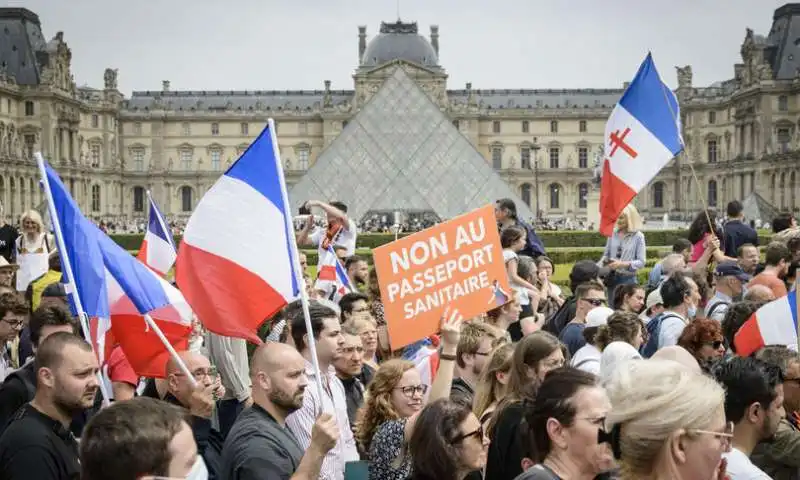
653 332
714 308
556 323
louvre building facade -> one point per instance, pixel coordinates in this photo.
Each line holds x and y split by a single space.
474 144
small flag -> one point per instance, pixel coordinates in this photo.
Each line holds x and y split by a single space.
332 277
642 135
775 323
235 262
158 248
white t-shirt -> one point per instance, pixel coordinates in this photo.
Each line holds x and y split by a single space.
345 238
587 358
741 468
524 299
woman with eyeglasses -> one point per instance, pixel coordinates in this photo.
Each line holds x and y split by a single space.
625 252
703 339
563 426
667 422
448 443
392 402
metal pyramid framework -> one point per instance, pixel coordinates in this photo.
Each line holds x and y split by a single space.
401 153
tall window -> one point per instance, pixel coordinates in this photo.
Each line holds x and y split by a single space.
784 136
582 126
94 155
497 158
138 159
526 126
583 157
525 193
95 120
302 157
525 157
658 195
495 127
30 144
29 109
712 117
215 159
554 126
712 151
712 193
186 199
554 152
583 190
555 196
783 103
215 128
186 128
138 199
95 198
244 128
186 159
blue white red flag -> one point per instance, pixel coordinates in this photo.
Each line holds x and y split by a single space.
773 324
116 290
158 248
332 278
642 135
235 262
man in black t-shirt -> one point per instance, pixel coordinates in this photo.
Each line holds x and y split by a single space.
37 442
8 235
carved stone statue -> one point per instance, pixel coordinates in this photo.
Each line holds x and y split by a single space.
764 72
110 78
597 170
684 76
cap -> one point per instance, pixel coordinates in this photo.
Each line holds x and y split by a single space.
4 263
654 299
54 290
731 269
598 316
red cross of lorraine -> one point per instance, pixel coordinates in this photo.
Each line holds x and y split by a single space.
618 141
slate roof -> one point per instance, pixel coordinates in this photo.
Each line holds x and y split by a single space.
784 42
399 41
238 99
511 98
21 45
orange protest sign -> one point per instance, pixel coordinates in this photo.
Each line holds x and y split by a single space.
457 264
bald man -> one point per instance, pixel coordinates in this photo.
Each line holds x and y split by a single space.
759 293
259 445
199 400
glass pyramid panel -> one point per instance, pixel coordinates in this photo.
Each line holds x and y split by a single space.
401 153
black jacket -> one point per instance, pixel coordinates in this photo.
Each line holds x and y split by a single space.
209 441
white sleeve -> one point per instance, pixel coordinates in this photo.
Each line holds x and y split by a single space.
316 236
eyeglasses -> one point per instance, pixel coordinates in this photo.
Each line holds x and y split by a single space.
410 390
202 372
14 323
725 436
476 433
595 302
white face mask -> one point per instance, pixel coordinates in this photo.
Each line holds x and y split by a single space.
198 472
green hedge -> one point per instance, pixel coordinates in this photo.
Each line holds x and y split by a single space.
551 239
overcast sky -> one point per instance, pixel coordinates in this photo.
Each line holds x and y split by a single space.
283 44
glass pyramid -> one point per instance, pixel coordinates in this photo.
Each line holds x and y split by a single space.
401 153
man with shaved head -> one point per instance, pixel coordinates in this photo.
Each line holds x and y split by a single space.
199 401
759 293
259 445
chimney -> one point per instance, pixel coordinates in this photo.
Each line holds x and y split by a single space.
165 86
435 38
327 85
625 85
362 42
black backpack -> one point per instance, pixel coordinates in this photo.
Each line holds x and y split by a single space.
654 331
556 323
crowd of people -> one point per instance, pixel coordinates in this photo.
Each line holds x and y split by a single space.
610 379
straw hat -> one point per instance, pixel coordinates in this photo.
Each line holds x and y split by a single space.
4 264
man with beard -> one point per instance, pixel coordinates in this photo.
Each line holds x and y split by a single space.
357 271
753 408
37 442
474 348
260 445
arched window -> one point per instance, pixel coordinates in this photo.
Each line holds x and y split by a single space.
583 190
138 199
187 202
712 193
525 193
555 196
95 198
658 195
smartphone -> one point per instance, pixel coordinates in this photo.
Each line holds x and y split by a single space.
304 210
356 470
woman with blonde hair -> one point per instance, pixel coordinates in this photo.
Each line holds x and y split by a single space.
33 248
666 422
491 387
625 252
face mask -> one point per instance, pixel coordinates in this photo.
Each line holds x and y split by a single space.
692 311
198 472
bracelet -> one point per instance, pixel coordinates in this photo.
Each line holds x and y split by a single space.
443 356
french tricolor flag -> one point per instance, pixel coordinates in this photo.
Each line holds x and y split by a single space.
773 324
236 262
158 248
642 134
114 289
332 277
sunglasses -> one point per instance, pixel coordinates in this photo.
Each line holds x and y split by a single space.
595 302
475 433
716 345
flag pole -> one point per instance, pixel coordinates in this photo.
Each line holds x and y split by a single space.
797 309
295 259
178 360
67 267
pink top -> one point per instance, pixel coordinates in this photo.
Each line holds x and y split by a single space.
699 248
